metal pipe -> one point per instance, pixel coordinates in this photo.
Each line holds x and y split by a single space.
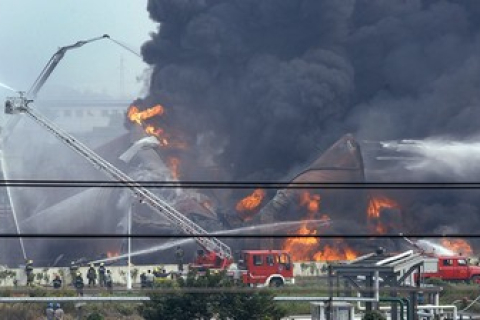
72 299
409 306
390 259
401 302
129 259
434 307
312 299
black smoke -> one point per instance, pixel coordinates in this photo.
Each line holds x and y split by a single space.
260 86
265 77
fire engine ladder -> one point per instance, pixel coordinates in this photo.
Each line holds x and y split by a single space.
184 224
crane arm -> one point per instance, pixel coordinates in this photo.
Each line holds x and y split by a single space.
211 244
53 62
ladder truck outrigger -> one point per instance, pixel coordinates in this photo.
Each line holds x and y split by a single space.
253 268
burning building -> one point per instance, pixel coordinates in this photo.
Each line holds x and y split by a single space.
252 91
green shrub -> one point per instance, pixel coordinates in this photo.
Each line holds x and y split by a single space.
436 282
95 316
202 304
374 315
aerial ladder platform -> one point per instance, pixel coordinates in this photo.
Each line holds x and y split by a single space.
20 104
212 244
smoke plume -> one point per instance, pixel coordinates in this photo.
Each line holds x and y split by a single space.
249 72
259 87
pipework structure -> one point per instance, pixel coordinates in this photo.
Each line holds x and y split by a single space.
378 272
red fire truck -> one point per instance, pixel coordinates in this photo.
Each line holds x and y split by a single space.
256 268
266 268
451 268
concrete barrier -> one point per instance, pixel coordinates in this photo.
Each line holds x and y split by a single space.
119 273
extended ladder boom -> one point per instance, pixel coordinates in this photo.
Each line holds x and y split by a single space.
52 64
212 244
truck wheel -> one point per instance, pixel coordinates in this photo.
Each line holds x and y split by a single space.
475 280
276 283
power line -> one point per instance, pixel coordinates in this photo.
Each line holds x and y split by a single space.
243 185
241 235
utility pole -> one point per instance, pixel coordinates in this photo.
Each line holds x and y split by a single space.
122 77
129 260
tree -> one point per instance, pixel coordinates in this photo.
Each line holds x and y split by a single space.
176 303
374 315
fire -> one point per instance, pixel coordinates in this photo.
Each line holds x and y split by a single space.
459 246
112 254
340 253
311 202
377 204
207 204
375 207
174 164
311 248
301 248
139 117
151 130
135 115
251 202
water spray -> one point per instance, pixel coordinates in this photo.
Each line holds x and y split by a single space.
430 247
14 211
3 85
172 244
436 154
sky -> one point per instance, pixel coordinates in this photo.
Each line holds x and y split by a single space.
32 31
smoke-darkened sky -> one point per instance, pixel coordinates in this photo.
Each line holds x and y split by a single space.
272 83
280 80
261 87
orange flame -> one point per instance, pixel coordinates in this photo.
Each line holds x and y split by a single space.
459 246
135 115
151 130
375 207
111 254
310 248
251 202
301 248
139 117
377 204
311 202
341 252
174 164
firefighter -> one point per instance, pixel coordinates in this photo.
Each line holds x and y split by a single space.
101 274
143 280
79 284
179 256
59 313
57 282
149 279
162 276
157 271
91 275
29 273
109 281
50 312
73 272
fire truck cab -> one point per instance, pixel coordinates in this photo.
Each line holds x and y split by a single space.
451 268
260 268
